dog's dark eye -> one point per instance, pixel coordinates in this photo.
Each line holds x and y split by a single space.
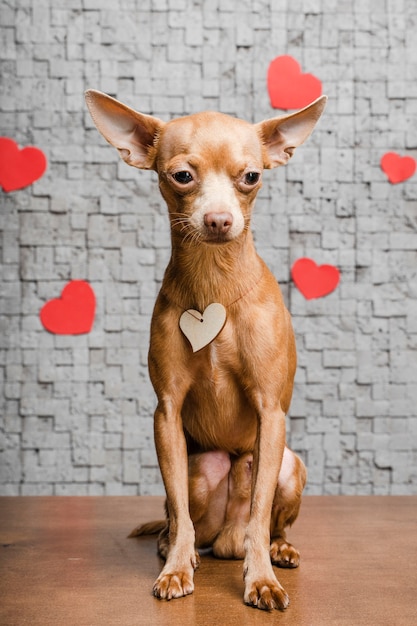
183 178
251 178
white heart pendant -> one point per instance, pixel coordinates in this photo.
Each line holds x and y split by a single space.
201 328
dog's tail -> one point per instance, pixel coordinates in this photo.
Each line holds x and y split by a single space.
150 528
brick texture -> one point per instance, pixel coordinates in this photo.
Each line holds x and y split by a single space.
76 412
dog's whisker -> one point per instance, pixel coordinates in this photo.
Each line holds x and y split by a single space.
182 222
192 238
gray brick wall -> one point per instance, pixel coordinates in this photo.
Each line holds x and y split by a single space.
76 412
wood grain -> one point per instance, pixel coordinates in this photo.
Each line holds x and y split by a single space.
67 561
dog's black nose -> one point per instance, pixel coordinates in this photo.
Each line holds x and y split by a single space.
218 223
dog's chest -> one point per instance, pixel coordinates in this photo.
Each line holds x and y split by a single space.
216 412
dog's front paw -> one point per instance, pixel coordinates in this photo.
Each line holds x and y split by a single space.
283 554
174 585
266 594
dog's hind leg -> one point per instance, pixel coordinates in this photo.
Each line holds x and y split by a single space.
230 541
208 488
285 509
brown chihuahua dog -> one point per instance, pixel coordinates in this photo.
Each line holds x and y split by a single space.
222 353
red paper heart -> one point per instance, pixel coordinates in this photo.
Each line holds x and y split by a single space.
19 168
397 168
314 281
72 313
288 87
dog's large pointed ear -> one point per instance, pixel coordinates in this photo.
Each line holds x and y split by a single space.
281 135
134 134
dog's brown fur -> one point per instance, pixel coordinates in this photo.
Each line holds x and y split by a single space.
231 482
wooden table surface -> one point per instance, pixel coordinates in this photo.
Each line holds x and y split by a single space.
67 561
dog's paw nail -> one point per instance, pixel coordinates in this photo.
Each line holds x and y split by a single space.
284 554
170 586
267 596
